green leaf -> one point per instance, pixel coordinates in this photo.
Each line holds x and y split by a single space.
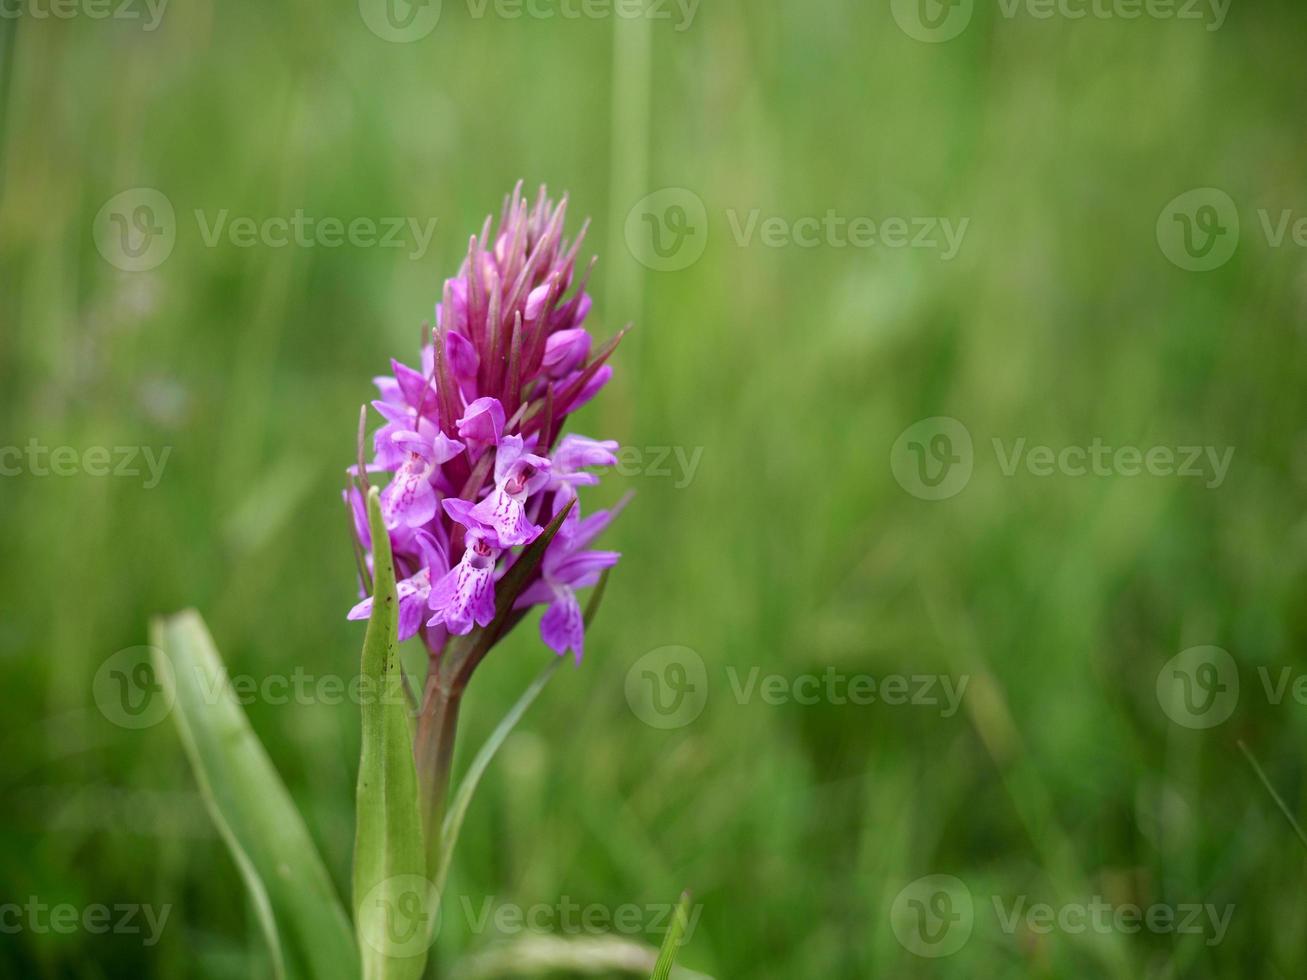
298 910
395 904
672 941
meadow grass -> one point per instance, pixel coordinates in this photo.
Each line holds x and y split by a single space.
791 549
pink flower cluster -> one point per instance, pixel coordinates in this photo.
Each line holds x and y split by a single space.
471 441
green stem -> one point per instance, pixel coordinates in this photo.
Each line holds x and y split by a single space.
433 751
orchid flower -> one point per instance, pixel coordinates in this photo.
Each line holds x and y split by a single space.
471 444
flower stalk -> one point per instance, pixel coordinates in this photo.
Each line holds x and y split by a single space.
481 502
433 750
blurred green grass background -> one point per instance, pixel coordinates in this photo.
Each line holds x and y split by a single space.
792 548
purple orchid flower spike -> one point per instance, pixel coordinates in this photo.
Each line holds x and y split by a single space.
480 500
473 442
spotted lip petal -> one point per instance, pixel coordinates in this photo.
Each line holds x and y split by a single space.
413 592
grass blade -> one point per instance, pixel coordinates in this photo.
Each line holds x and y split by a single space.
672 941
298 910
1266 784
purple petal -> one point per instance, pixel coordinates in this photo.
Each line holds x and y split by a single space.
443 448
463 596
582 569
562 626
463 358
411 383
535 301
582 309
409 499
483 422
505 514
591 388
565 351
460 512
589 528
362 611
575 452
